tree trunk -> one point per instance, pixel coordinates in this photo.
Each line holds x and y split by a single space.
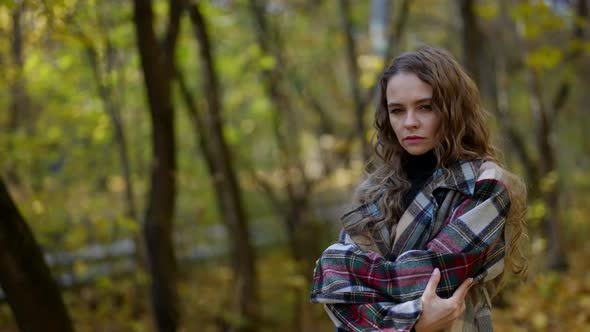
353 71
158 65
557 259
393 41
19 106
293 208
30 290
19 103
580 30
298 185
112 110
479 64
484 64
225 180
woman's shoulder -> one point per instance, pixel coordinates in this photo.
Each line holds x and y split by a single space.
490 170
480 169
493 178
476 174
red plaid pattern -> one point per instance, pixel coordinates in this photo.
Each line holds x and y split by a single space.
456 223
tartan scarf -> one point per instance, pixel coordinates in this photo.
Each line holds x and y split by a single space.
455 223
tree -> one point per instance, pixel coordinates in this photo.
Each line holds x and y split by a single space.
30 290
19 107
541 172
361 99
293 204
157 61
20 103
209 129
353 69
103 68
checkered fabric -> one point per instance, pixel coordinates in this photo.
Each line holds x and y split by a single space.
374 281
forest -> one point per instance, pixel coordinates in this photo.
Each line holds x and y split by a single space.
179 165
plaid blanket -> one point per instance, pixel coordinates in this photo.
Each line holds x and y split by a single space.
455 223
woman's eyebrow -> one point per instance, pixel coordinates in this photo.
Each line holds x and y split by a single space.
423 100
419 101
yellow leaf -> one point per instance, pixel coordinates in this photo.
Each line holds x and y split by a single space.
104 283
128 224
540 321
38 207
116 184
538 246
584 302
487 11
536 211
80 267
267 62
54 133
546 57
548 182
296 281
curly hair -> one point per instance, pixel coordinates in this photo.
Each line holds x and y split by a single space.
463 135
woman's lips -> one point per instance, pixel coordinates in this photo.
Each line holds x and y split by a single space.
413 139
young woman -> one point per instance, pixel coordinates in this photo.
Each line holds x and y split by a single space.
437 220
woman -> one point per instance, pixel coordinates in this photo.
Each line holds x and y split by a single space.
437 220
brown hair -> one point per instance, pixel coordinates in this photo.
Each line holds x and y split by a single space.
463 135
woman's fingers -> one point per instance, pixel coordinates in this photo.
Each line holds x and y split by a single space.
430 289
457 301
438 313
461 292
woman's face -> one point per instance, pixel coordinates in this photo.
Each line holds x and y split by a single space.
414 121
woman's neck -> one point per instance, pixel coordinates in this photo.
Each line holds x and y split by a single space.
420 166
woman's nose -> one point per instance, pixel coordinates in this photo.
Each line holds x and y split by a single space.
411 121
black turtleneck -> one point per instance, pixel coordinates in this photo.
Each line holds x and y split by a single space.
418 169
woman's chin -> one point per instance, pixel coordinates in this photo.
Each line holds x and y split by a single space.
416 150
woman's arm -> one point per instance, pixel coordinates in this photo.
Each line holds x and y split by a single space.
365 288
462 249
437 313
429 313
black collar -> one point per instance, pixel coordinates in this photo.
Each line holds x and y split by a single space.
419 167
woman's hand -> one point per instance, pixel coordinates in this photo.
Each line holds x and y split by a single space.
438 313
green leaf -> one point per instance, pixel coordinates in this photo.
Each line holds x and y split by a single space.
267 62
546 57
486 11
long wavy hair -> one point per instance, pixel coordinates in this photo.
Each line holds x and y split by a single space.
463 135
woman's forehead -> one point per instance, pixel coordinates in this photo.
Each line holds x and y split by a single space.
407 87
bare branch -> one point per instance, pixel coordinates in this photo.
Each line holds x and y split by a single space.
393 40
353 71
175 8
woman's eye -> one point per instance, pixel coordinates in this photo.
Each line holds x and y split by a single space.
395 110
426 107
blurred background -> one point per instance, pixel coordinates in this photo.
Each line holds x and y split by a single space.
179 165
